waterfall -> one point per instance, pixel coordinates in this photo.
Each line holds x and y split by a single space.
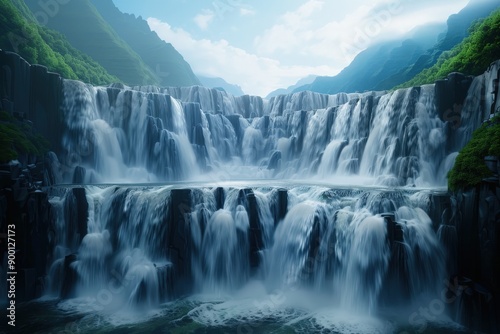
297 204
119 134
146 242
123 136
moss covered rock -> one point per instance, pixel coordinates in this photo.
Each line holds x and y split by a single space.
470 168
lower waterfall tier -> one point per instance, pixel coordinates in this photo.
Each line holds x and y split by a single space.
364 248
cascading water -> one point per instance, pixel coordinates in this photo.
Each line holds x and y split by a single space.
343 227
125 136
333 241
145 135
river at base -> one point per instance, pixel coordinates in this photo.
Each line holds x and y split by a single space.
250 310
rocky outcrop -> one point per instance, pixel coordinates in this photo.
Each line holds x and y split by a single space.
477 219
450 94
32 92
32 95
31 214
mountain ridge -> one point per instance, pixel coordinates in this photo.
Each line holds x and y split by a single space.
122 44
360 75
166 62
83 26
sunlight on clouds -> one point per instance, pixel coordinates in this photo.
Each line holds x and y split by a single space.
292 31
256 75
324 32
203 20
303 13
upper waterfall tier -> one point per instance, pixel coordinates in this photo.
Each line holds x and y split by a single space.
150 134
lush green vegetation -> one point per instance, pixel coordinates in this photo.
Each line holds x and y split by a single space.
168 64
40 45
85 68
18 137
83 26
472 56
470 167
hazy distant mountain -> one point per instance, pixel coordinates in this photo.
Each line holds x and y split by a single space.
377 63
282 91
388 64
220 83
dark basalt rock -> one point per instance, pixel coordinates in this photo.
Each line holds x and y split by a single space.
179 243
246 198
79 175
279 205
33 93
450 95
220 196
31 217
70 276
477 219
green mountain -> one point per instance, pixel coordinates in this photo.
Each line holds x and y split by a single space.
20 33
471 56
389 64
161 57
83 26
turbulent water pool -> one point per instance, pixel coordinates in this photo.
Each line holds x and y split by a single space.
291 258
198 314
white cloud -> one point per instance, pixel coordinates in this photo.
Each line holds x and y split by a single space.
256 75
203 20
247 12
319 37
292 31
332 33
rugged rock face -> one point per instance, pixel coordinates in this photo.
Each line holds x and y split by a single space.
451 93
32 216
477 220
31 92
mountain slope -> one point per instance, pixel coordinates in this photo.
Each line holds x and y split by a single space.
470 57
458 29
386 65
83 26
20 33
378 63
161 57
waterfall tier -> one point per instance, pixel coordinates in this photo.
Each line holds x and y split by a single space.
408 137
165 242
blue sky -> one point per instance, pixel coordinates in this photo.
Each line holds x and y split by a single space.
262 45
